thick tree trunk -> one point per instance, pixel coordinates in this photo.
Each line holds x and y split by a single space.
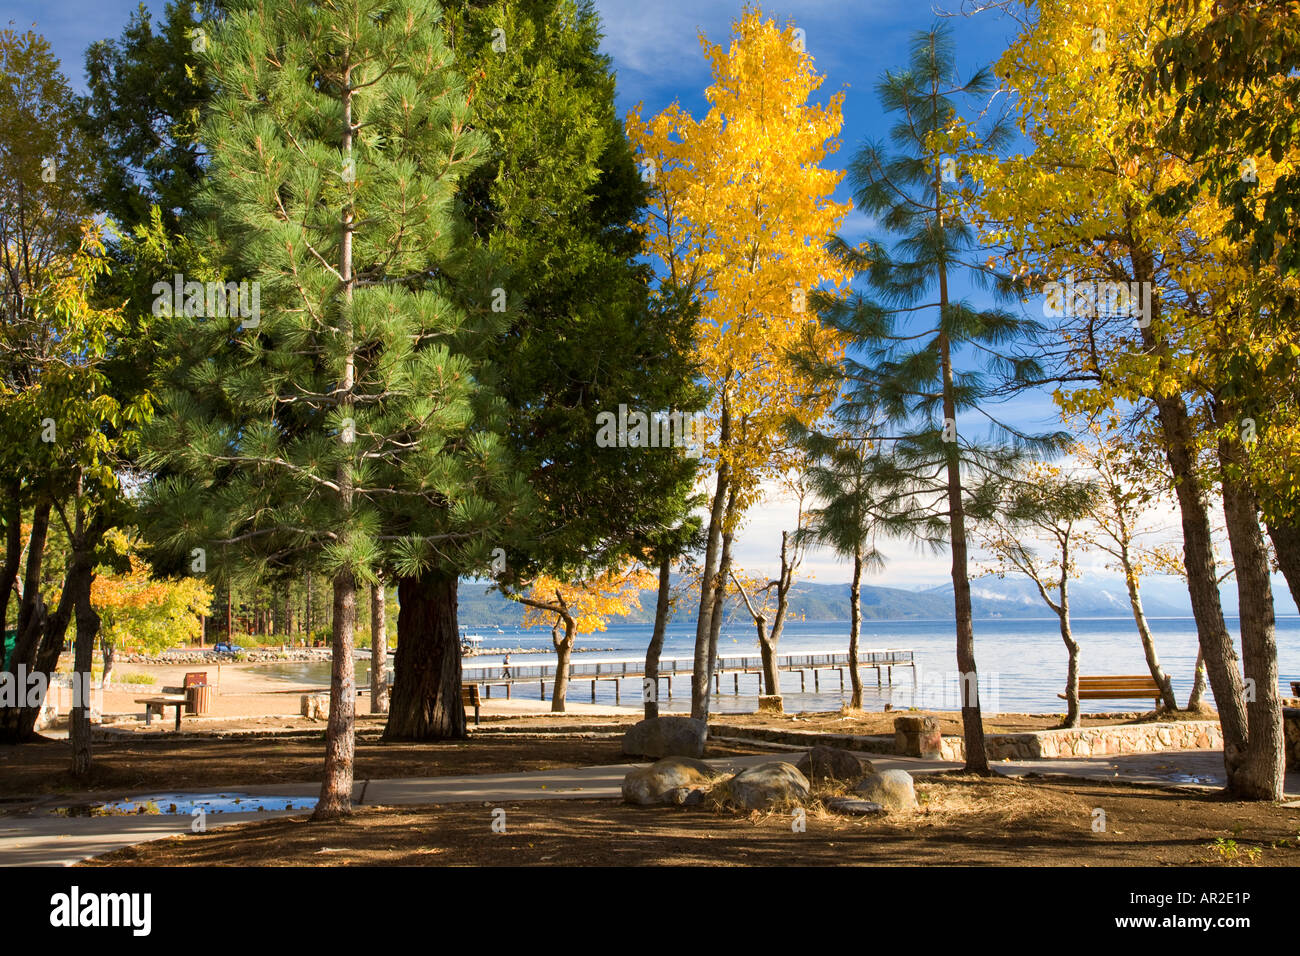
340 741
855 627
378 651
424 703
83 659
1285 536
1260 776
1163 680
651 697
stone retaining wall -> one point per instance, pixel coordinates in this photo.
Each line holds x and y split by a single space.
1291 731
1095 741
1030 745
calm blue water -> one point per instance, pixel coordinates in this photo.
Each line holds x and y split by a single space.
1021 662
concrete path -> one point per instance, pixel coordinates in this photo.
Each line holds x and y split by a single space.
36 837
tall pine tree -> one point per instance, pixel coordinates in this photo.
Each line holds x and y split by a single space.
342 428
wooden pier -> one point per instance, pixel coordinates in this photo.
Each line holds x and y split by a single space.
882 661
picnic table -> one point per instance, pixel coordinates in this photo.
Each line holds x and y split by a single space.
158 704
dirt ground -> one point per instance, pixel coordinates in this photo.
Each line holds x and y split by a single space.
41 768
963 820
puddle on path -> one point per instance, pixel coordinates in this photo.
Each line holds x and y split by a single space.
188 804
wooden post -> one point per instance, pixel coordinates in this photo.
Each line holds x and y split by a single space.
817 684
616 690
543 690
670 686
803 680
735 685
841 678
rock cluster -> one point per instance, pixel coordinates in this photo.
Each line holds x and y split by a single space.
772 785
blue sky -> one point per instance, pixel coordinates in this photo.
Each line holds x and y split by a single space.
657 56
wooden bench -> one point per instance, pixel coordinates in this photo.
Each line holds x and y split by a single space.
469 698
1118 687
158 705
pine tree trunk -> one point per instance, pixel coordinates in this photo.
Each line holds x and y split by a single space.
378 651
1260 776
424 703
340 742
855 627
657 638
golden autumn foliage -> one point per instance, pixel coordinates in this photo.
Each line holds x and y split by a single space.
741 210
590 601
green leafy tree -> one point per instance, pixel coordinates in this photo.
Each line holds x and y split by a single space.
555 198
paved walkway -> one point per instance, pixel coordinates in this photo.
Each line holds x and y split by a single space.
40 838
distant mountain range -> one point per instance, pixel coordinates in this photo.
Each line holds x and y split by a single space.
991 598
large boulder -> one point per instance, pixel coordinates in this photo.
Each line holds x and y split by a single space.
767 786
671 780
831 763
892 789
666 737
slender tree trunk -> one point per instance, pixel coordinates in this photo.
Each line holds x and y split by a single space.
109 653
1163 680
855 627
1285 536
424 703
704 622
563 650
1194 699
1072 649
378 651
340 732
720 593
657 638
1261 773
308 621
968 677
83 659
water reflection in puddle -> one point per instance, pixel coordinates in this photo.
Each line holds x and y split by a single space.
187 804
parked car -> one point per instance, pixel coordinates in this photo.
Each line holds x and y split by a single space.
226 648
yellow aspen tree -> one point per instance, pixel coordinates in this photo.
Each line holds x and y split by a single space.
741 211
1148 307
581 605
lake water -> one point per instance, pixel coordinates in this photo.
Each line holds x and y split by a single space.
1021 662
